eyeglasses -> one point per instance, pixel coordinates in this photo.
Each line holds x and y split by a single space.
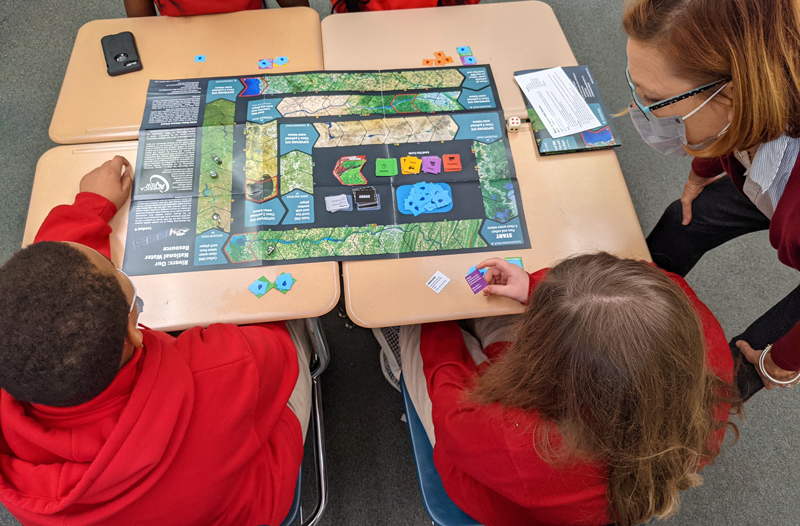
648 108
137 301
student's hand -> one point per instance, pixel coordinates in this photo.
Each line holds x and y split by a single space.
776 372
112 180
693 187
505 279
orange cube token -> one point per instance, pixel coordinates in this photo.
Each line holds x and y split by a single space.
451 162
439 54
448 60
427 62
439 62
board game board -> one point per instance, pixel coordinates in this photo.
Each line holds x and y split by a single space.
259 170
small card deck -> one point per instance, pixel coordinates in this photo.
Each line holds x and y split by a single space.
366 198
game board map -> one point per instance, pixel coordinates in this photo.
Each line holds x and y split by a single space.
315 166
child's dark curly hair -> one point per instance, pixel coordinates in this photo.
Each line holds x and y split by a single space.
62 326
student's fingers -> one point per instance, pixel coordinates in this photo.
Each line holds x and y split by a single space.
491 262
492 275
503 266
509 291
117 163
127 181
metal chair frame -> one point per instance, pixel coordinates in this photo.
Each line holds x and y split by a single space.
319 362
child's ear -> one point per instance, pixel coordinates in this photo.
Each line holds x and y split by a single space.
133 334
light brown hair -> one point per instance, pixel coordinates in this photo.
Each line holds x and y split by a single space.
611 354
755 43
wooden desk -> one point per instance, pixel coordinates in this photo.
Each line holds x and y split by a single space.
179 301
401 39
573 204
94 107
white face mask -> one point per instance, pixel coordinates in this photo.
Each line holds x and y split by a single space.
667 135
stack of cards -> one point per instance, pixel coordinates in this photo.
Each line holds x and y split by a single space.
452 163
410 165
335 203
426 197
440 58
366 198
431 164
465 53
385 167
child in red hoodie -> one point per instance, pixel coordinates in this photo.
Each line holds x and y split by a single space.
106 422
134 8
597 405
352 6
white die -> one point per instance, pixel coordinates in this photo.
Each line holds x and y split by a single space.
512 124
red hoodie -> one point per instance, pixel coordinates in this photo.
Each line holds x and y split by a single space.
204 7
193 429
485 454
339 6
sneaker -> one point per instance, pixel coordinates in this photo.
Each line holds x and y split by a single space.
391 364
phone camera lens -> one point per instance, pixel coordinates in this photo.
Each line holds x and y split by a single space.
122 57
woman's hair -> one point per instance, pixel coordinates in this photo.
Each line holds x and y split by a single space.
755 43
610 352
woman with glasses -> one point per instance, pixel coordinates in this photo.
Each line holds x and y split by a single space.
720 80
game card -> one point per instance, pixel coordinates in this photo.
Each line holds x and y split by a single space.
476 281
437 282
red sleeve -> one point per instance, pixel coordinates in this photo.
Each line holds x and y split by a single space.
707 168
784 235
535 278
786 351
464 435
85 221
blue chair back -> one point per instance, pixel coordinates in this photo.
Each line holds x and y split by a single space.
294 511
442 510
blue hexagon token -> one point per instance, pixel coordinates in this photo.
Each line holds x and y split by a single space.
464 50
281 61
199 58
265 63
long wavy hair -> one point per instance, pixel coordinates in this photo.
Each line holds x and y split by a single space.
755 43
611 354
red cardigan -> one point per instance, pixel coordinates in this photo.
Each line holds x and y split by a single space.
485 455
204 7
193 430
784 236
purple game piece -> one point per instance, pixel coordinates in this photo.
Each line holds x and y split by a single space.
431 164
476 281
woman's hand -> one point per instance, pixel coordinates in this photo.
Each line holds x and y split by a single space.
691 190
505 279
776 372
112 180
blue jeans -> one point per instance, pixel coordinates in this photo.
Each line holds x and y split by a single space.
721 213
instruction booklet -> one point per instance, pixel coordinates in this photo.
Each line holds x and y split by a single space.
568 120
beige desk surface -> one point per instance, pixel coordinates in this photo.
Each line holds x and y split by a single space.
573 203
401 39
94 107
179 301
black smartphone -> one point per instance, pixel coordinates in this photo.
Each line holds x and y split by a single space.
121 54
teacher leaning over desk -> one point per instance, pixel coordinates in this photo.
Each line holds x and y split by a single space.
720 80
